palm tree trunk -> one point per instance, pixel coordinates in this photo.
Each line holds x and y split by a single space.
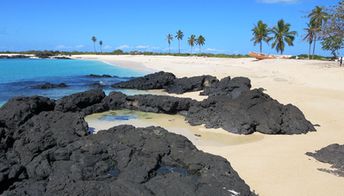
94 47
261 47
169 48
179 45
315 40
309 50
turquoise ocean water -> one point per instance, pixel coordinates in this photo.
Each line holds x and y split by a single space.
18 76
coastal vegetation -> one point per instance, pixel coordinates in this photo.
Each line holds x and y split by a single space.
325 25
317 18
281 34
200 42
260 34
332 30
191 41
309 37
169 41
101 46
179 36
94 40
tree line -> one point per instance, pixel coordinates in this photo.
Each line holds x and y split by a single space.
325 25
94 40
192 41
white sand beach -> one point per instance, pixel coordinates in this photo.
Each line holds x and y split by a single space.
272 165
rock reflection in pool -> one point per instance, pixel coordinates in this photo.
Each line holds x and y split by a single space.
119 117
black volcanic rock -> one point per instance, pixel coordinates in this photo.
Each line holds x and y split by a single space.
20 109
250 112
50 86
197 83
27 155
62 58
99 76
79 101
151 81
115 100
229 87
52 154
159 104
332 154
97 85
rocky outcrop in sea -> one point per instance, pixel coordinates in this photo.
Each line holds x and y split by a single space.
49 85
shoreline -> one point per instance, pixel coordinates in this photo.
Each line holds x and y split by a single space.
275 165
124 64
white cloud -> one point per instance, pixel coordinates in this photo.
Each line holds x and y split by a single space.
278 1
107 47
79 46
121 47
215 50
61 47
65 47
212 49
142 46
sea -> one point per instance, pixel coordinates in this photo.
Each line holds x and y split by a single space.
19 76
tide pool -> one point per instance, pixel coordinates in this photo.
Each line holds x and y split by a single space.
18 76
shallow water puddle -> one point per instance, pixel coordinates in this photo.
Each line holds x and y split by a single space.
199 135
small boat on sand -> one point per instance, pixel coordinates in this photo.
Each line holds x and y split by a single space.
261 56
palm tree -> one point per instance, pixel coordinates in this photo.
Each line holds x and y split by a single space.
94 39
191 41
200 41
101 45
309 37
179 36
281 33
169 41
260 33
317 18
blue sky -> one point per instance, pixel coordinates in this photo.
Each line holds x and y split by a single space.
143 24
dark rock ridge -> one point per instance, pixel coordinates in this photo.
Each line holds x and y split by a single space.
51 153
167 81
18 110
152 81
62 58
99 76
158 104
48 85
197 83
249 112
332 154
79 101
231 104
229 87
